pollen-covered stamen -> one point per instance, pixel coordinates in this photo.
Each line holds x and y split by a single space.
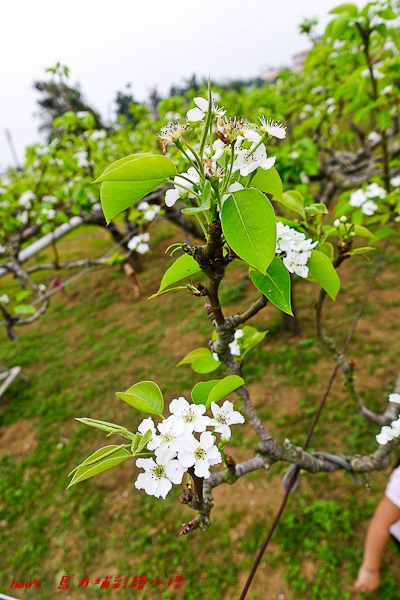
273 128
170 133
189 417
167 437
212 169
199 453
159 471
221 418
229 129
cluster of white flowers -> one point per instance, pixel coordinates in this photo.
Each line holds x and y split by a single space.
139 243
26 199
5 299
362 198
150 212
23 217
388 433
297 247
176 447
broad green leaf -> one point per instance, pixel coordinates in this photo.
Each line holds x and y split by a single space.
201 391
293 201
383 233
347 8
275 284
326 248
205 201
267 181
223 388
145 396
129 179
117 196
317 208
139 167
206 364
193 355
361 231
22 295
183 267
100 461
322 269
24 309
248 223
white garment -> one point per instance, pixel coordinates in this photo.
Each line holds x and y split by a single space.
393 493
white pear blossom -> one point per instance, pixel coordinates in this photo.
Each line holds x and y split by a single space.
297 248
98 135
224 416
191 414
294 155
82 158
388 433
49 212
249 160
369 208
139 243
374 137
273 128
5 299
173 194
387 90
394 398
170 429
200 454
26 199
395 181
374 190
170 133
145 425
197 114
159 476
357 198
234 346
23 217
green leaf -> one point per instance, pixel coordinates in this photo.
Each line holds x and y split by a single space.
317 208
183 267
145 396
384 119
322 269
24 309
293 200
251 337
106 426
248 223
383 233
131 178
326 248
139 443
206 364
193 355
139 167
275 284
348 8
223 388
205 201
267 181
100 461
201 391
206 392
361 251
22 295
174 289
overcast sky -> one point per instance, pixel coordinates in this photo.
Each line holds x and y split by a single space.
146 43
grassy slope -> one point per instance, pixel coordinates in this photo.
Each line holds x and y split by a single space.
101 340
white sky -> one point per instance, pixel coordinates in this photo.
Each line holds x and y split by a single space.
145 43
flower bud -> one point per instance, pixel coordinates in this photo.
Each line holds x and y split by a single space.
343 219
336 223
